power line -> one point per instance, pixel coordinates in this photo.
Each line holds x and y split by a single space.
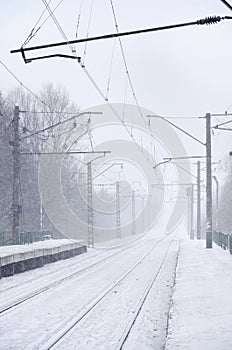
110 72
92 80
78 19
87 34
48 112
57 24
126 65
227 4
68 152
128 73
22 84
59 123
204 21
33 31
127 70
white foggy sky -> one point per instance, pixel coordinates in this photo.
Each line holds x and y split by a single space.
181 72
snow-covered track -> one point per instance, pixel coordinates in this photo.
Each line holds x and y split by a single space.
62 334
38 287
128 327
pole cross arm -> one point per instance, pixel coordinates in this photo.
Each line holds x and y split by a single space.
178 128
29 60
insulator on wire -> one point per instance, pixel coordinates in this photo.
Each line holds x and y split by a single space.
209 20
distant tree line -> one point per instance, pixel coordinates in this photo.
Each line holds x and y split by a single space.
51 105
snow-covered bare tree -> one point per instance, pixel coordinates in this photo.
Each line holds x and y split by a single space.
51 105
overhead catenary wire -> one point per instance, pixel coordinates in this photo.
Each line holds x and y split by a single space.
126 65
128 74
221 124
22 84
204 21
87 34
227 4
208 20
57 24
111 107
58 124
34 31
50 112
38 98
78 19
110 72
124 100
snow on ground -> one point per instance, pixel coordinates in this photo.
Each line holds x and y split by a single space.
51 243
108 321
48 270
149 330
201 313
200 316
34 322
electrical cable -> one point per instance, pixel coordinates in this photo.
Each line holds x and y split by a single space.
22 84
204 21
129 77
33 31
56 23
90 77
56 124
87 34
78 19
217 126
110 72
111 106
227 4
51 112
126 65
124 101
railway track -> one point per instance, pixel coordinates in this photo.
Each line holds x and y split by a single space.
65 331
127 329
23 297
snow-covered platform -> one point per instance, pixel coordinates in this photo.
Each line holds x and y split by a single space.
19 258
201 311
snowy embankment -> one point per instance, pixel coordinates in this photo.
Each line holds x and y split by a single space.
100 302
201 312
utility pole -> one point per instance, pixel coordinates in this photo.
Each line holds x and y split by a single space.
118 214
133 213
191 212
209 223
90 206
198 200
16 177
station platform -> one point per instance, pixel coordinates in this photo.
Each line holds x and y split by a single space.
20 258
201 311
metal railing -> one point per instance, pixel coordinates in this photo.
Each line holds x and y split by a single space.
223 240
